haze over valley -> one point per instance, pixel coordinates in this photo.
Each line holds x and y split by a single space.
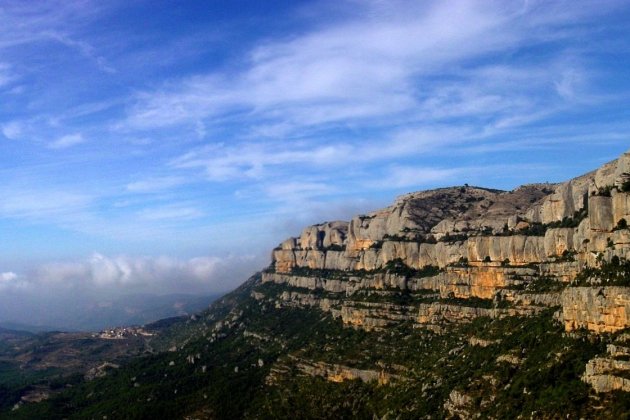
321 209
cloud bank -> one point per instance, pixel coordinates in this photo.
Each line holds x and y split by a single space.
55 293
225 136
109 275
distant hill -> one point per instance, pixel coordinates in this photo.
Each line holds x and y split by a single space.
137 309
18 327
459 302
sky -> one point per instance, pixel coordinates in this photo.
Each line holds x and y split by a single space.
167 146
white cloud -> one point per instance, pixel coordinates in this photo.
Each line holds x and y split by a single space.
296 191
569 82
262 161
250 160
170 212
82 47
41 203
6 76
67 141
12 130
376 66
149 274
8 276
407 176
11 281
157 184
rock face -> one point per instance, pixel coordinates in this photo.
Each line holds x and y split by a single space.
489 245
459 405
599 309
339 373
372 241
606 374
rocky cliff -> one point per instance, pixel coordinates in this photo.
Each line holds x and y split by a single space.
447 257
461 252
459 302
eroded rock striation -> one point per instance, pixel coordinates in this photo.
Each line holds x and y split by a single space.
452 254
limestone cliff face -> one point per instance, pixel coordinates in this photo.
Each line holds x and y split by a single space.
443 226
600 309
486 244
606 374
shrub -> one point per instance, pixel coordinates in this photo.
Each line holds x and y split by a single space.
336 247
613 273
603 191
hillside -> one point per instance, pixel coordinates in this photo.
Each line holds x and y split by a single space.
457 302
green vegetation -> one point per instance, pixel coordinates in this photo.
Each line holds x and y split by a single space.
327 274
534 229
245 357
570 222
462 262
416 238
547 381
545 284
567 256
613 273
335 247
604 191
396 266
539 229
451 238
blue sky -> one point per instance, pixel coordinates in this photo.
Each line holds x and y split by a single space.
168 145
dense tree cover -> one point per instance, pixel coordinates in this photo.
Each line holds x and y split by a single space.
613 273
241 359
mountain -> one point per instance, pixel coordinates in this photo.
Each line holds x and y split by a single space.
20 327
97 313
459 302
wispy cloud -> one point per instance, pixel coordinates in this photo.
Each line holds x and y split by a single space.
297 191
378 69
174 139
12 130
42 204
250 160
8 279
161 274
6 75
405 176
156 184
67 141
82 47
170 212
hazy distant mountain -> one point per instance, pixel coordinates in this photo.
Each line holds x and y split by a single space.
460 302
96 314
19 327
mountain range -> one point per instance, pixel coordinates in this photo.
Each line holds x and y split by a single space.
461 302
94 314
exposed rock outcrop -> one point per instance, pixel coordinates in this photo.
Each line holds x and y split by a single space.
516 247
606 374
599 309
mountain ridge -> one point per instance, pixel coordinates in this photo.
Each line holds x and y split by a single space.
460 302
